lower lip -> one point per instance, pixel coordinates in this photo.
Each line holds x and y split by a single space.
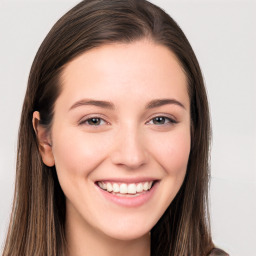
129 201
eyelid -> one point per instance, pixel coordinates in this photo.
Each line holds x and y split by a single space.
172 119
84 119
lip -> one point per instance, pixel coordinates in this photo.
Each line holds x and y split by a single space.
128 180
130 200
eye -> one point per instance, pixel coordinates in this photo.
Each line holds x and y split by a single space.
94 121
162 120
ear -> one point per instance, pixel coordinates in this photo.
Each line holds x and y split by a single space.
44 141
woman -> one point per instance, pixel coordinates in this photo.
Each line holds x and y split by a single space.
114 139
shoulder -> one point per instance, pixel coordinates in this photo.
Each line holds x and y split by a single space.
217 252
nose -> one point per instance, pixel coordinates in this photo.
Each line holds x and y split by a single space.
129 149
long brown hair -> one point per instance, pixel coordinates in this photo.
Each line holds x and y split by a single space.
38 214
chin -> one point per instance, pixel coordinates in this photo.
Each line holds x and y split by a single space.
127 235
128 228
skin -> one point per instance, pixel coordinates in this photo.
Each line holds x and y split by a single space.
127 142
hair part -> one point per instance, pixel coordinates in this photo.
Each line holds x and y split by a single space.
38 215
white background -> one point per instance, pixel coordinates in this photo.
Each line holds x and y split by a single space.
223 36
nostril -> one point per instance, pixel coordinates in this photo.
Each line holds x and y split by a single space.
129 154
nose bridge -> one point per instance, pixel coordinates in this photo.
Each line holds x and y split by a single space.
129 148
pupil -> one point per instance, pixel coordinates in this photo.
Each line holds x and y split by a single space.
94 121
159 120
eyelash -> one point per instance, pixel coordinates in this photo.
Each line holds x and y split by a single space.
169 120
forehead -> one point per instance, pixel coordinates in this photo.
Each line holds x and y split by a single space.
140 69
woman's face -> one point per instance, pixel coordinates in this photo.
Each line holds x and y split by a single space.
122 123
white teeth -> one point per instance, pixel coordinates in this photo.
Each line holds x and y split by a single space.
139 187
126 188
123 189
145 186
109 187
104 185
116 188
100 184
131 189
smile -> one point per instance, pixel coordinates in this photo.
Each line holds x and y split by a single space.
128 194
125 188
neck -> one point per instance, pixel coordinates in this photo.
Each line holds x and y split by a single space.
83 240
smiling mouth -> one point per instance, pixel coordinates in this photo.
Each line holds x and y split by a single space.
126 189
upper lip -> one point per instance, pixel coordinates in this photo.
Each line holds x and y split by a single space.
127 180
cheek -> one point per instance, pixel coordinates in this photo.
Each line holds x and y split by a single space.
77 153
172 152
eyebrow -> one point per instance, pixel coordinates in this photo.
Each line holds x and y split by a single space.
108 105
90 102
161 102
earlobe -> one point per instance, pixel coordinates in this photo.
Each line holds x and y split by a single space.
44 141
